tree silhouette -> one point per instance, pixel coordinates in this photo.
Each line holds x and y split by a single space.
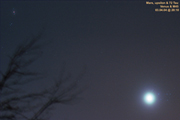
17 105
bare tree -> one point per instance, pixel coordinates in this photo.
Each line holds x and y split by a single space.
15 104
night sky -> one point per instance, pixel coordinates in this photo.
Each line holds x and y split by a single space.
127 47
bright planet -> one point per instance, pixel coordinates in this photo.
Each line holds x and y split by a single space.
149 98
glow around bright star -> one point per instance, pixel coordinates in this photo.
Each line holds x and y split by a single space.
149 98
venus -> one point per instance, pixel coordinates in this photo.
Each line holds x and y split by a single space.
149 98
